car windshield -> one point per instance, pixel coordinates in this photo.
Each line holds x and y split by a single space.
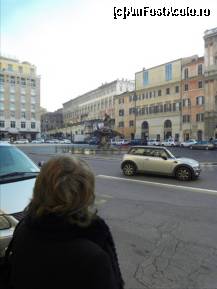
170 155
13 161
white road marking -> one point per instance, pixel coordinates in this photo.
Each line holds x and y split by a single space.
102 198
100 202
194 189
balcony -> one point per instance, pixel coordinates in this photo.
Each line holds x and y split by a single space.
211 75
13 130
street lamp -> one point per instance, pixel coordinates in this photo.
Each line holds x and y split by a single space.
135 112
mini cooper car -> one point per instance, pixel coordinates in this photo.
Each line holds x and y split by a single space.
159 160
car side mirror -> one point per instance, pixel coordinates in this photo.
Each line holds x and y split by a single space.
164 158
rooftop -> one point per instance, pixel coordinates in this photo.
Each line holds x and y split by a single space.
210 32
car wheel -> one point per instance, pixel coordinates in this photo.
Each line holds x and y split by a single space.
129 169
183 174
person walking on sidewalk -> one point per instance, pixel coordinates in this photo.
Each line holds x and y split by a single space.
60 243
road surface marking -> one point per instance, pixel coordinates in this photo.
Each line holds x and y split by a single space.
102 198
99 202
204 191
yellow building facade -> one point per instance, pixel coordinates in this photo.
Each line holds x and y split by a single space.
124 114
157 101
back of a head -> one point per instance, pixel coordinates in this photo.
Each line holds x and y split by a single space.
64 187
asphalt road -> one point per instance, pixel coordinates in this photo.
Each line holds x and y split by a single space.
165 230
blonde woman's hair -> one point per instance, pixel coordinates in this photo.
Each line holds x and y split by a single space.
65 187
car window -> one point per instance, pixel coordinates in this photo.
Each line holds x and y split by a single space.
163 153
158 153
137 151
148 152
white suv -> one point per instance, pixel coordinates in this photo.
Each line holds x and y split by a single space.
17 179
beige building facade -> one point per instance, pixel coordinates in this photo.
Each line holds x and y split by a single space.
177 99
84 113
19 99
51 121
124 114
158 108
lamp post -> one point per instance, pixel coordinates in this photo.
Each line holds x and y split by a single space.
135 112
135 109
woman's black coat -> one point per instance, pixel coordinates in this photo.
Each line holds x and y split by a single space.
50 254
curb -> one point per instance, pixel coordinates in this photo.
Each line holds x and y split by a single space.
110 157
81 155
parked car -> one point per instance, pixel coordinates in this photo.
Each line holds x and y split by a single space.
37 141
138 141
64 141
169 143
79 138
120 141
123 142
52 141
188 143
203 145
159 160
153 142
21 141
215 143
17 178
7 140
93 141
113 142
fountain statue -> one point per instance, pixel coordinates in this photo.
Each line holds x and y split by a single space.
104 133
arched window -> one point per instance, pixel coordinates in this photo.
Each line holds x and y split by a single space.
167 123
145 125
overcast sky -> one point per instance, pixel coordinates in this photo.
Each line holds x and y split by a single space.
77 45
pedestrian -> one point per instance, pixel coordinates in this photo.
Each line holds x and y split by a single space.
61 242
